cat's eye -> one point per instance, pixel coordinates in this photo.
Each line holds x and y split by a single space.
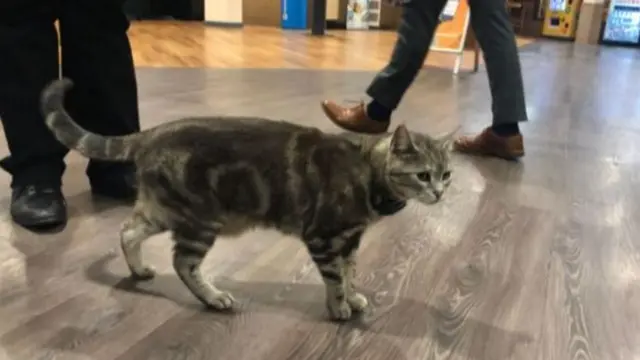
424 176
446 175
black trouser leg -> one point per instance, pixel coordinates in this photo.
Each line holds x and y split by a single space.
28 61
96 55
417 26
490 22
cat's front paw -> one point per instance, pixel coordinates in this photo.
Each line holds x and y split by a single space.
143 273
339 310
221 300
358 302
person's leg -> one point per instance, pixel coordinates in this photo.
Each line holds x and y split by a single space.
96 55
28 62
493 29
417 26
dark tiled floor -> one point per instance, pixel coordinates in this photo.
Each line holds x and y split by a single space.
521 261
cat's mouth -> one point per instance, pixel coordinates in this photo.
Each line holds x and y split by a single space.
430 199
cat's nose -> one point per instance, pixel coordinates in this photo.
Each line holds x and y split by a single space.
437 194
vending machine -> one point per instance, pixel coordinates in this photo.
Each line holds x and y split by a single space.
622 24
561 18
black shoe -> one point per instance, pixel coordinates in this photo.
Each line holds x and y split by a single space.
119 186
38 206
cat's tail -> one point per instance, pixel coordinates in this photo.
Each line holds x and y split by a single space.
73 136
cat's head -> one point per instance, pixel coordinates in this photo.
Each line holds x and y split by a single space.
417 166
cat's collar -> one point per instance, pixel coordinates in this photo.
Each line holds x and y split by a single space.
384 202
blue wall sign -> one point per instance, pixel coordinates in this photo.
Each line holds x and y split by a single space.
294 14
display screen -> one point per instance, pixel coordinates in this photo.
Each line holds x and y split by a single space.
557 5
623 22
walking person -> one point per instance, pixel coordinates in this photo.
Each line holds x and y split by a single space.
96 55
491 25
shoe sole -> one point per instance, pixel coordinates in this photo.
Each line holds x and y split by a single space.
42 224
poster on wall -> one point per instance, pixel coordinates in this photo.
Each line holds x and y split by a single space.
357 14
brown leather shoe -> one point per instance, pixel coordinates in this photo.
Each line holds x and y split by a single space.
487 143
353 119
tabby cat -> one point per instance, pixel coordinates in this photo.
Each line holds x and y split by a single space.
200 178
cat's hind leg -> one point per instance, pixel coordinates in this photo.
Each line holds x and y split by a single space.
134 232
191 247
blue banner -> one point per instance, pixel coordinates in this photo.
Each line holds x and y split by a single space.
294 14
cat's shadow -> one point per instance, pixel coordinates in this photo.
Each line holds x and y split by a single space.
401 317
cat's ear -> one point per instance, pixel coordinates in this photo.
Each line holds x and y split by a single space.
446 141
401 141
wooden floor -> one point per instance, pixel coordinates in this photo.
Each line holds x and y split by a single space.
171 44
530 261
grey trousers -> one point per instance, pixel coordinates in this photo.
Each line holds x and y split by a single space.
490 22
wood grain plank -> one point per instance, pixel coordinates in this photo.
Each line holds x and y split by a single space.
179 44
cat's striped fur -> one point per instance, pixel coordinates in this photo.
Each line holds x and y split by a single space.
200 178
